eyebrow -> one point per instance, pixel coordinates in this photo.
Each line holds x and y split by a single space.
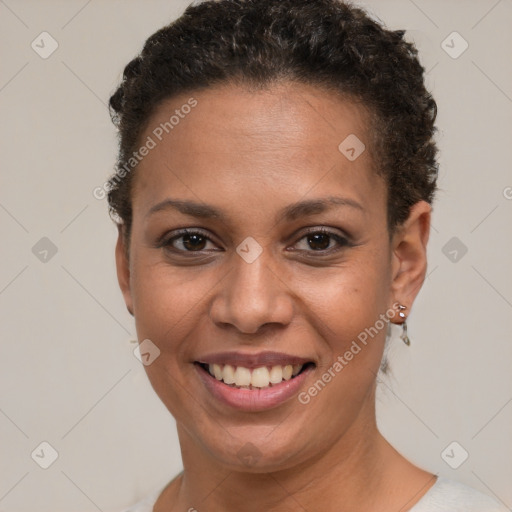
289 213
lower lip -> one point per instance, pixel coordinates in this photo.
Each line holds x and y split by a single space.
253 400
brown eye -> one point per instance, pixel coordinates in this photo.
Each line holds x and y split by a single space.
319 242
322 241
194 242
187 241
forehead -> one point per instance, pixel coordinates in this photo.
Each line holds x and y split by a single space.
282 142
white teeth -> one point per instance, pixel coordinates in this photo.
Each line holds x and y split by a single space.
217 371
276 374
260 377
287 372
242 376
228 374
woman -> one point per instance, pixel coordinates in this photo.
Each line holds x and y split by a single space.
273 198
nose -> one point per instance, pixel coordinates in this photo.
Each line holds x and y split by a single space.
251 296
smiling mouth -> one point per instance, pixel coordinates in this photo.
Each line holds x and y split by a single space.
253 378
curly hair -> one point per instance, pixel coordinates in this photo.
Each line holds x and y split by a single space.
326 43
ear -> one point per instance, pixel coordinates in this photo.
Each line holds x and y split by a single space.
123 268
409 259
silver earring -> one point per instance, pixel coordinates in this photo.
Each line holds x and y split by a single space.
404 337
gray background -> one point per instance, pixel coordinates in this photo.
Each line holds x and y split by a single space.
68 374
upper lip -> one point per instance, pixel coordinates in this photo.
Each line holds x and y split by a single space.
251 361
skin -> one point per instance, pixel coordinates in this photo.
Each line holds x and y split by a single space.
250 154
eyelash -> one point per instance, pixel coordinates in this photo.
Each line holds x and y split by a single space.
166 241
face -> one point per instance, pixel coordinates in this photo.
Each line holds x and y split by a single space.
285 261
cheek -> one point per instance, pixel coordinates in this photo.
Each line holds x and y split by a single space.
353 326
166 298
351 309
167 305
352 297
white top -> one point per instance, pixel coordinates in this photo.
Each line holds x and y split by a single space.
444 496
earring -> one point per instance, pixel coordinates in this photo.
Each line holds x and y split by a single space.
404 337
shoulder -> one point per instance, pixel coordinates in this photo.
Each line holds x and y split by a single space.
145 505
450 496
